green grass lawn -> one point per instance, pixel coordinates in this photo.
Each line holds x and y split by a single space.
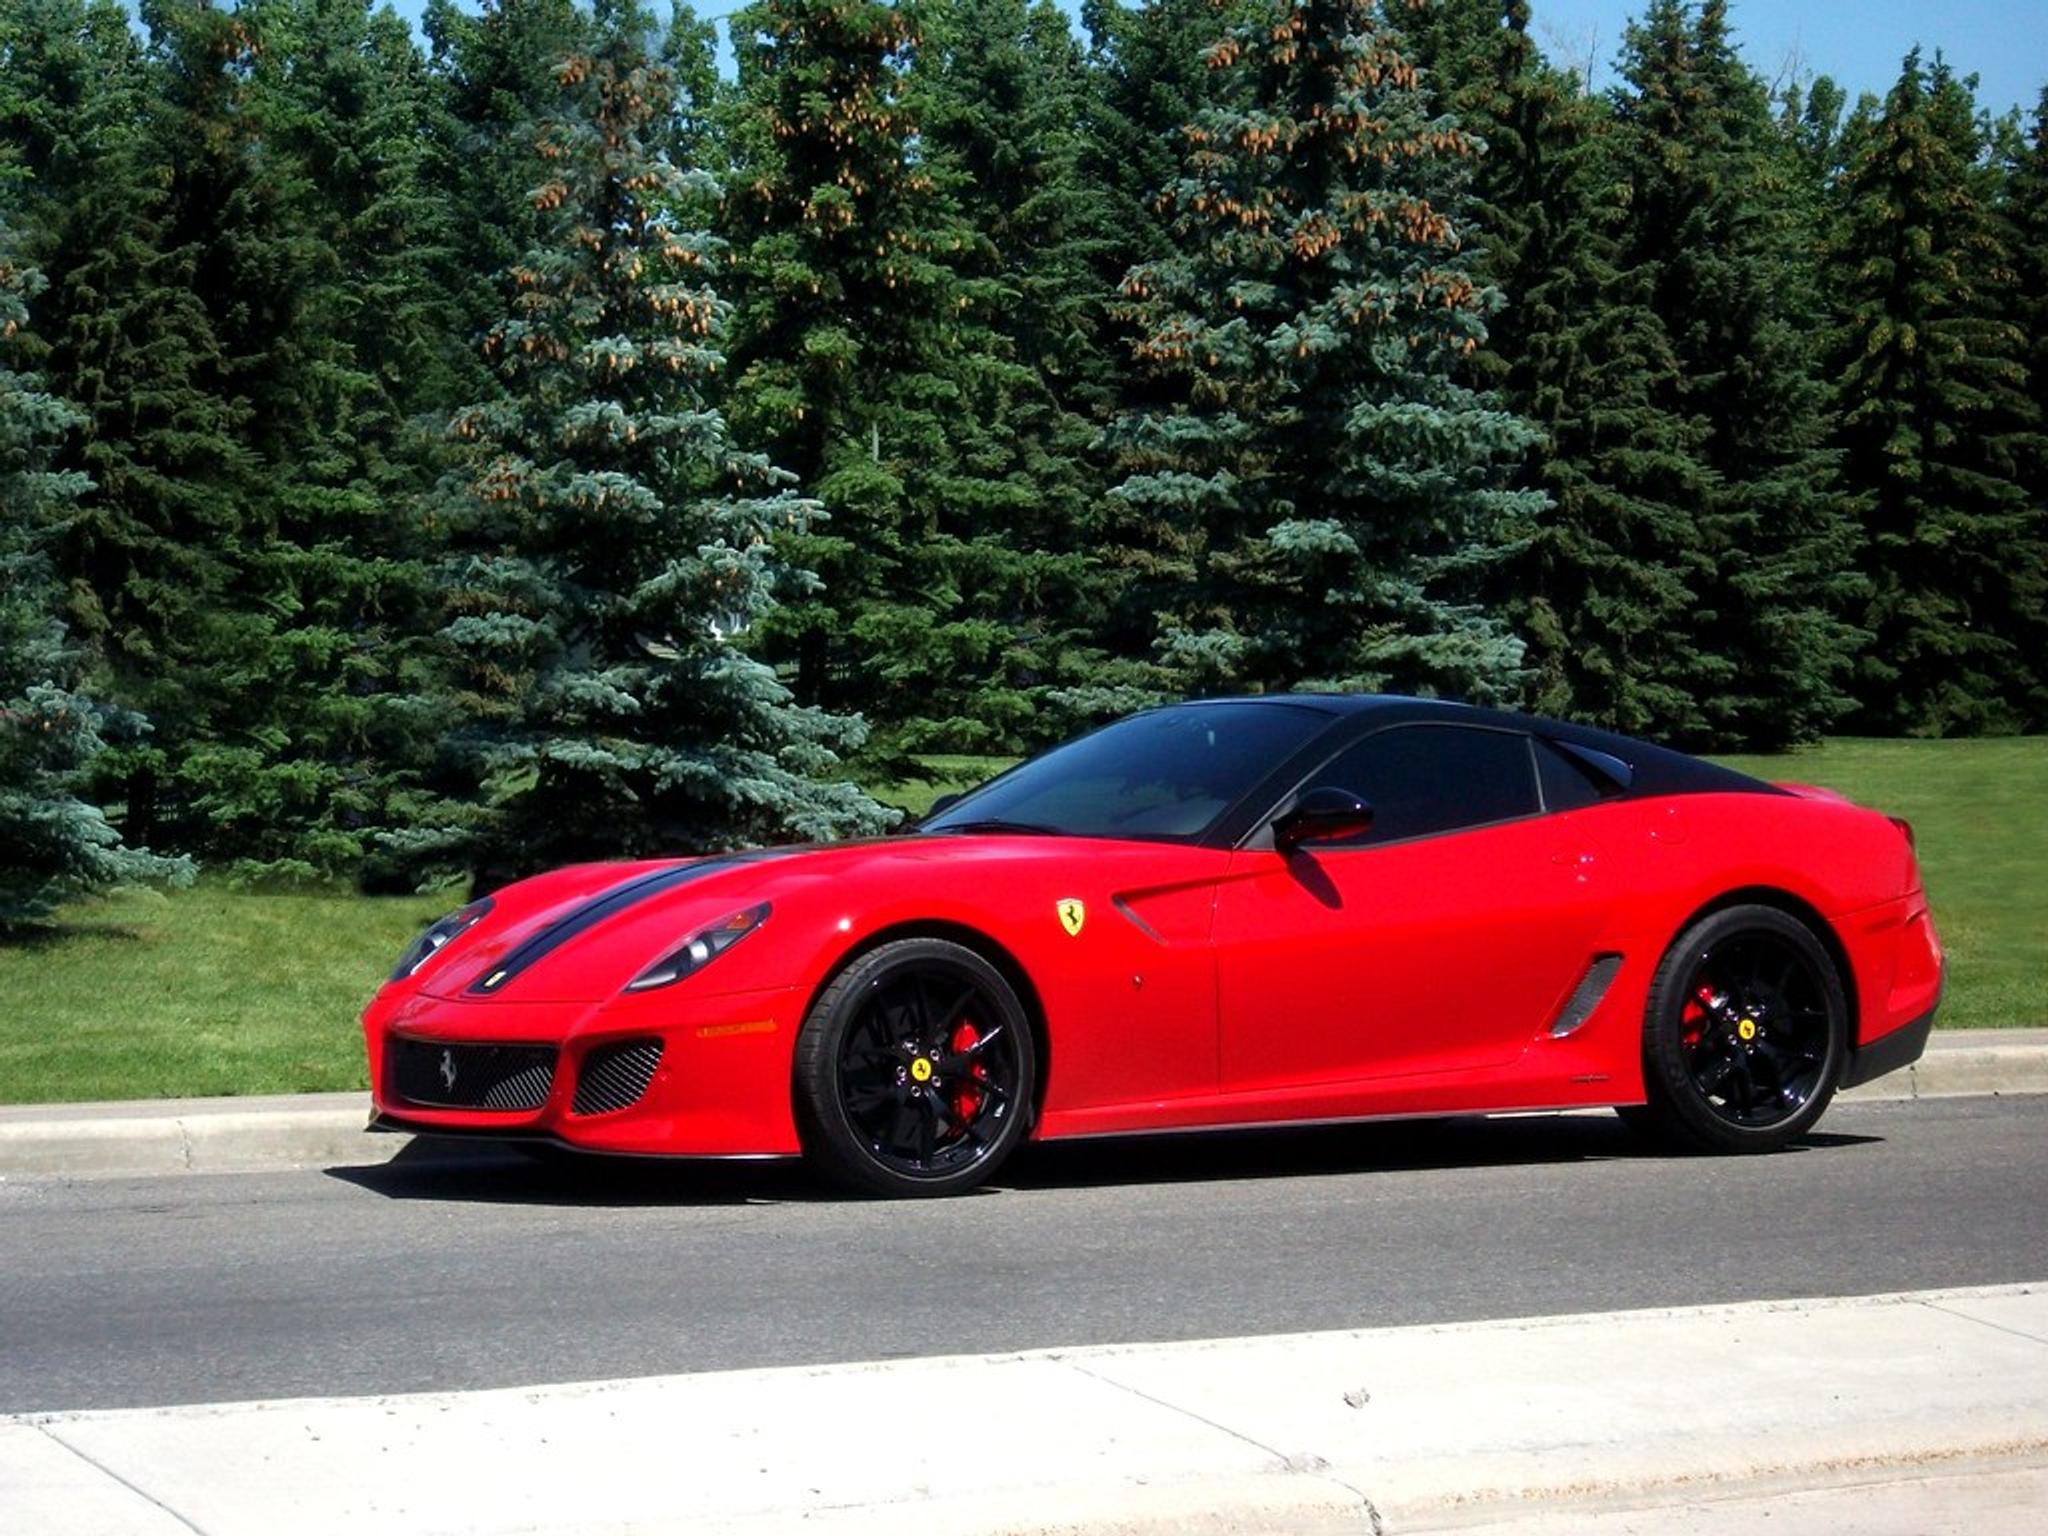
1980 817
206 991
217 990
943 776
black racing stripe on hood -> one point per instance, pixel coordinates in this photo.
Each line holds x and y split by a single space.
607 905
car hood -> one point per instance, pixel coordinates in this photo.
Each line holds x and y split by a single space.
581 934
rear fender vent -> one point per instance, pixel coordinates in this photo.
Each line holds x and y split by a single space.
1586 995
615 1076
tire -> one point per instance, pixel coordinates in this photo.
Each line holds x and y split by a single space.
1745 1035
914 1071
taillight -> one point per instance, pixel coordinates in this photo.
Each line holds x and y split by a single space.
1905 827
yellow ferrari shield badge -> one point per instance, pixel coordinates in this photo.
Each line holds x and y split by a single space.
1072 915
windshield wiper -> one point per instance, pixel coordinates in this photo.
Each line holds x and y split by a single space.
997 824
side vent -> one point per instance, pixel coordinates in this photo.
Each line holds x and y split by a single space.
1586 995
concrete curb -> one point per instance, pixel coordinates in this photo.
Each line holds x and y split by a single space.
1968 1061
242 1135
190 1136
1434 1427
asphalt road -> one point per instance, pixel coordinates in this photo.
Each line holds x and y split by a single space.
438 1274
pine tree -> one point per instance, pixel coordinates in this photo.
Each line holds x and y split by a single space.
1326 491
865 361
313 211
1713 226
1152 76
53 844
1602 585
1937 427
2024 205
613 543
496 70
148 563
1002 88
2024 210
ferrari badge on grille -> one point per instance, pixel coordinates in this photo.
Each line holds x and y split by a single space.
1072 915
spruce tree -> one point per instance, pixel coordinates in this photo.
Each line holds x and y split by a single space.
1936 425
2024 203
1713 226
612 542
495 68
1001 90
1324 493
148 564
330 253
1151 70
53 843
865 360
1601 586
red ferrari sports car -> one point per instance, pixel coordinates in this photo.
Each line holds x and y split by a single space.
1226 913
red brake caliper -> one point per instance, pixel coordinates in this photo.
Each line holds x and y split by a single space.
966 1097
1694 1018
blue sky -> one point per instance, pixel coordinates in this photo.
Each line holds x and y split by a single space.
1859 42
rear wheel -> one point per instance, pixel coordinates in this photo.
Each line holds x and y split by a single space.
1745 1035
914 1071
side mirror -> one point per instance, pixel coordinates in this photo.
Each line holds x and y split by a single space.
1323 815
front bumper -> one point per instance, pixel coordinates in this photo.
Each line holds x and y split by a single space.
653 1076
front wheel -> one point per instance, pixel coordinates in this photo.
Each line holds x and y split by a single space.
1745 1035
914 1071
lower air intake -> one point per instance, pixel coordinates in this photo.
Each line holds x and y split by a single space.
615 1076
502 1077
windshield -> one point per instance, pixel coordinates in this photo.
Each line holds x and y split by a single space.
1169 774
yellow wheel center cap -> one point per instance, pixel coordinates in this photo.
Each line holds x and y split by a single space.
921 1069
1746 1029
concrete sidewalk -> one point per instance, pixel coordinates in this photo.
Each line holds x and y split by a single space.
326 1129
1542 1424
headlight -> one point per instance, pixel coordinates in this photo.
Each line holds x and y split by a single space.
699 950
440 935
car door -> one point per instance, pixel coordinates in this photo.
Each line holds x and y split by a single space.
1444 939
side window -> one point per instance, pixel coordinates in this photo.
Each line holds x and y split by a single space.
1436 778
1568 784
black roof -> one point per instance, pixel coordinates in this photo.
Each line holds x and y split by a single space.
1656 770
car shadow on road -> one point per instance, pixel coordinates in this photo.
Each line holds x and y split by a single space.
1386 1146
439 1168
499 1173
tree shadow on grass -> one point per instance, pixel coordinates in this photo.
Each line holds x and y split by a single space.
46 934
446 1168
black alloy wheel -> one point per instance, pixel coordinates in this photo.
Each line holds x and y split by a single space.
914 1071
1746 1033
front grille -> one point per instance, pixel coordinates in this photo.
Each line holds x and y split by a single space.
504 1077
614 1076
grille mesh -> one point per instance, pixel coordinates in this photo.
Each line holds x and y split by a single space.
615 1076
502 1077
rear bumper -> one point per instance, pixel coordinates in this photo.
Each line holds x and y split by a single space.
1899 1048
